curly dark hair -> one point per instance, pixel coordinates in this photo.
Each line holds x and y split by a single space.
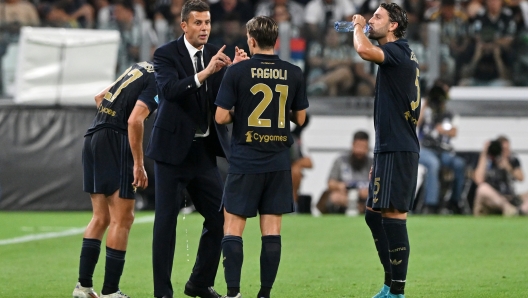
398 15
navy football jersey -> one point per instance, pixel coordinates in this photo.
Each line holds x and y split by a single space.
136 83
262 90
397 101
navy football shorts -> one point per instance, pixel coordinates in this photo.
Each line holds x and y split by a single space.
267 193
393 181
108 164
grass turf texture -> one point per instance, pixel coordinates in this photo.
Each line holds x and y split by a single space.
331 256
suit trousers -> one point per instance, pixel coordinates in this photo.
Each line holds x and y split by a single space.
199 174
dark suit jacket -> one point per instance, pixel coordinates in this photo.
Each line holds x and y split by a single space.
175 123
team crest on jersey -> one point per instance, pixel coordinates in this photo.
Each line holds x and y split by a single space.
249 139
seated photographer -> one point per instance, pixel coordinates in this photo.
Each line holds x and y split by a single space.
495 174
436 127
349 180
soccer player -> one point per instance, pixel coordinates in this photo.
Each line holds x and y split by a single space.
396 151
113 170
266 94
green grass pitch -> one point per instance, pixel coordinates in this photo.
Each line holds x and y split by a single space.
330 256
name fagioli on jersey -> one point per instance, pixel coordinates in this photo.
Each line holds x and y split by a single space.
269 73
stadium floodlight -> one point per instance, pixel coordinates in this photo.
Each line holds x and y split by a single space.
58 66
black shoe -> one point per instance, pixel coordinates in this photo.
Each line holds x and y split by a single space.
202 292
165 296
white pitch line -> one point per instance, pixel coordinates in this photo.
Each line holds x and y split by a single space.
69 232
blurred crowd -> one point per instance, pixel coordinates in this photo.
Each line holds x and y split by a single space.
481 42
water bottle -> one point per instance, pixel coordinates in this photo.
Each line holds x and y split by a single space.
345 26
352 202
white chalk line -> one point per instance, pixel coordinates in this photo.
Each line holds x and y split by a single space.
65 233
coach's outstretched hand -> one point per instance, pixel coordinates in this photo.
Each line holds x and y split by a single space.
218 61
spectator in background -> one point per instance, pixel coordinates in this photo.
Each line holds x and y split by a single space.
473 8
294 9
298 160
415 13
68 13
330 65
130 30
221 8
437 126
167 19
231 35
17 13
364 76
321 14
350 171
496 172
55 15
454 36
369 6
494 30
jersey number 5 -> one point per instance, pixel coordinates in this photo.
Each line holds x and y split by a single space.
254 119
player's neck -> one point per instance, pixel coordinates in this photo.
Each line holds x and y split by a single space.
264 51
389 38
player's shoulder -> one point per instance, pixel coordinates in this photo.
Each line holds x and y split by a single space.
146 66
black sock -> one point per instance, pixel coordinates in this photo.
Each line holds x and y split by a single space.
388 279
399 249
264 292
374 222
270 255
232 249
115 261
89 256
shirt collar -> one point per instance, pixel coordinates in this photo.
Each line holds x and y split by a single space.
190 48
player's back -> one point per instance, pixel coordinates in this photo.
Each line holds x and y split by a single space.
397 102
119 101
262 91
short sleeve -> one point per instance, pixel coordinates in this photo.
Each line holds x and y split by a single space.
300 101
227 94
149 94
335 172
393 54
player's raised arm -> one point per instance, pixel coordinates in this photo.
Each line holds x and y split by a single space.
366 50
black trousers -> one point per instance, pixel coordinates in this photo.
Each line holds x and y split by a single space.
199 174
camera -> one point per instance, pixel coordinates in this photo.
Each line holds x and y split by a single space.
495 149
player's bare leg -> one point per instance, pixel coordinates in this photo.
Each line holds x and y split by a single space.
232 249
91 246
395 226
121 219
270 227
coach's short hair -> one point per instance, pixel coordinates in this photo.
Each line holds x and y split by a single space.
264 30
360 135
193 5
398 15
